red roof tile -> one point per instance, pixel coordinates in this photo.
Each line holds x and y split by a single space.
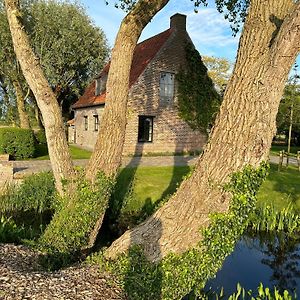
143 54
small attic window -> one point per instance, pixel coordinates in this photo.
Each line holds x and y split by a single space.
100 85
166 86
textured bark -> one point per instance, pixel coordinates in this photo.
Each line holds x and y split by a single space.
24 120
61 162
242 134
108 150
107 155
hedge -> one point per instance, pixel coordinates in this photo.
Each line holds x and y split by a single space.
17 142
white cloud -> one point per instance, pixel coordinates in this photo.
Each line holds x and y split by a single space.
209 30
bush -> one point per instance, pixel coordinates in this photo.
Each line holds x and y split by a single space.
17 142
35 193
10 232
72 223
40 137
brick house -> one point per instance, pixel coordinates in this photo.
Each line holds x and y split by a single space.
153 123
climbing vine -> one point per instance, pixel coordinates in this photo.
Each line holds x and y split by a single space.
73 222
198 101
176 275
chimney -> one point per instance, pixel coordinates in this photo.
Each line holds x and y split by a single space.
178 22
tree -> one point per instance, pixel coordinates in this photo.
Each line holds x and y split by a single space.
71 50
242 133
219 70
70 47
288 117
60 157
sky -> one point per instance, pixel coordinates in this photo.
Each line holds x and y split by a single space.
209 31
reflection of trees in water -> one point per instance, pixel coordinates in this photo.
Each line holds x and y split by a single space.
283 255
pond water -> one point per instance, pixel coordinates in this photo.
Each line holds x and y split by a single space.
273 260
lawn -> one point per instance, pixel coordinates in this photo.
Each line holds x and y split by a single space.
276 148
152 184
281 188
76 153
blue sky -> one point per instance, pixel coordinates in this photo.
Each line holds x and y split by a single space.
209 31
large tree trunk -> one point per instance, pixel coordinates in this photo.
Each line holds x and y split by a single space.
107 155
20 97
108 150
61 162
242 134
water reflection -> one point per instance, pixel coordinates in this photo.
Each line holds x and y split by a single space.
273 259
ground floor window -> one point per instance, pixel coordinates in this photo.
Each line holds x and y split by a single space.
86 124
96 122
145 130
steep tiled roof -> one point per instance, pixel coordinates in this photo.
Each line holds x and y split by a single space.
143 54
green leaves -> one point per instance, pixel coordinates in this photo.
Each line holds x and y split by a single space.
70 48
198 101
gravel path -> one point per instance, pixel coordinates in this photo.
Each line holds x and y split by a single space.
21 278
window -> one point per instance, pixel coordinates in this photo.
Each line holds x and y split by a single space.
96 122
100 85
166 84
145 132
86 123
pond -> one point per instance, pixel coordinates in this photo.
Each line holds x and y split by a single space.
271 259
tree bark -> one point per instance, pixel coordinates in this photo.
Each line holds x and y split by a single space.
61 162
20 97
107 155
241 136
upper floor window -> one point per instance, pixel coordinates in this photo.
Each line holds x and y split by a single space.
100 85
86 123
96 122
167 86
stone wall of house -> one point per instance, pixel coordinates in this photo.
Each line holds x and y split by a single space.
86 138
170 132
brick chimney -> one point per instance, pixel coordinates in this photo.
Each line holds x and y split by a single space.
178 22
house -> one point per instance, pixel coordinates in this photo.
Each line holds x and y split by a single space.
153 122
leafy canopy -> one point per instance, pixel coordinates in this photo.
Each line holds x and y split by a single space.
70 47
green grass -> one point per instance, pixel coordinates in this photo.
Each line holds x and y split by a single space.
76 153
152 184
281 188
276 148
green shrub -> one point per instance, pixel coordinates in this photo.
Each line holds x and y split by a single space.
72 224
36 193
10 232
17 142
40 137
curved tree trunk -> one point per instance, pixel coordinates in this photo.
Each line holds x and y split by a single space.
108 150
107 155
242 134
24 120
61 162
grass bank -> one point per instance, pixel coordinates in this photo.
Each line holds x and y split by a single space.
76 153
